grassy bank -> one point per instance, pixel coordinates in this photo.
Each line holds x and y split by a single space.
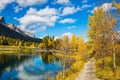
76 67
16 49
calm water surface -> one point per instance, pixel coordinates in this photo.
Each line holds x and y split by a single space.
39 66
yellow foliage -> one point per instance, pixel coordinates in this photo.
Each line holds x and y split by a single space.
101 32
81 44
41 45
72 76
73 42
32 45
50 43
65 43
20 43
77 66
116 5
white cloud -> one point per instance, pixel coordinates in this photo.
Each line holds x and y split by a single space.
56 37
88 11
22 27
15 18
22 3
17 9
31 66
69 34
70 10
33 28
106 7
40 18
71 27
43 28
25 3
63 1
84 1
85 6
68 20
3 3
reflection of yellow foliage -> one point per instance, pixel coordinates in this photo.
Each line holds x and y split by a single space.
19 57
74 70
72 73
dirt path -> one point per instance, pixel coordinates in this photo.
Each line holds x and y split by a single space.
88 73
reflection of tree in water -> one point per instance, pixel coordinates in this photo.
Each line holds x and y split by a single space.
8 62
1 72
47 58
67 62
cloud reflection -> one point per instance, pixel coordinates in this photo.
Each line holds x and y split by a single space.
34 70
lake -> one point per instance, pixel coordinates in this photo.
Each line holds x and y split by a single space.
38 66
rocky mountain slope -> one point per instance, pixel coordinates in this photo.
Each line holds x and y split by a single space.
10 30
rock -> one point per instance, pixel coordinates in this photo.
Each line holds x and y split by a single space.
11 26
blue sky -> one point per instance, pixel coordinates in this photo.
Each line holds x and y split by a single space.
49 17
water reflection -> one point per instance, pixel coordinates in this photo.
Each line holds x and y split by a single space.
39 66
8 64
48 58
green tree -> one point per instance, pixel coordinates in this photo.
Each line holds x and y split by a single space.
58 43
48 42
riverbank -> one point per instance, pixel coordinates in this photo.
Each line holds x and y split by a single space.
16 49
76 67
68 74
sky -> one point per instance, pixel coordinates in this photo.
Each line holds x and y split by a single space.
51 17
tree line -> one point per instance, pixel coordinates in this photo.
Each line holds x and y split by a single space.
103 36
8 41
69 44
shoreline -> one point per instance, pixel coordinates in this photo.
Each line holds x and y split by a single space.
75 68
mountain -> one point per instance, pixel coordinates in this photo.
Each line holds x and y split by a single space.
10 30
25 33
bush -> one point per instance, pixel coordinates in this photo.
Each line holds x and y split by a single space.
105 72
